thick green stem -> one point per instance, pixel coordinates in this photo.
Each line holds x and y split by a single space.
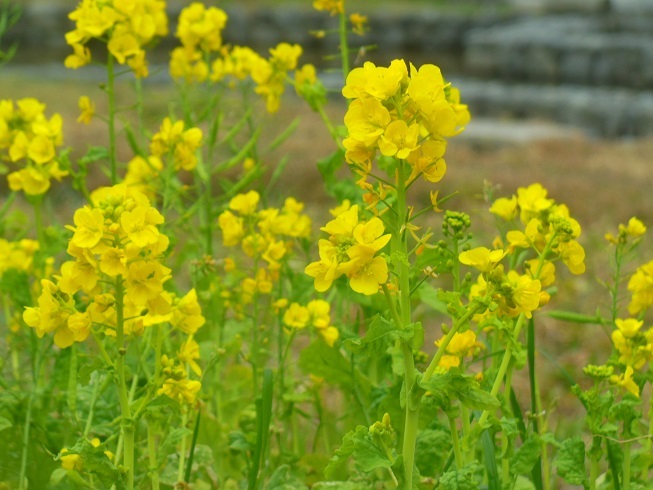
400 246
126 422
594 473
455 442
151 451
626 466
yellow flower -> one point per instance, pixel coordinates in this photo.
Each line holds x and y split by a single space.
640 285
365 272
505 208
334 7
329 335
145 280
629 326
366 120
378 82
181 390
81 57
187 313
70 461
532 200
140 225
296 316
371 234
232 228
399 139
318 311
626 381
525 293
188 353
89 227
245 204
88 110
482 258
427 161
573 255
358 23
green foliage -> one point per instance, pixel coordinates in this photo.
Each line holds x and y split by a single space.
570 461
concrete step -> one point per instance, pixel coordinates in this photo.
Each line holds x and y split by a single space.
607 50
598 111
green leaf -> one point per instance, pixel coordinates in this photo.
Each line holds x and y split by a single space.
493 480
381 334
4 424
462 479
431 451
334 184
523 483
526 456
470 395
429 296
94 154
98 463
326 362
283 478
339 485
358 444
570 461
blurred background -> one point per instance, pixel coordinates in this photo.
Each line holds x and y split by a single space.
560 91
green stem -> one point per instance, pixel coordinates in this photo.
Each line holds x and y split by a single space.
443 345
455 442
400 246
126 422
626 466
594 473
97 389
468 453
151 450
22 480
503 367
648 447
505 462
182 450
110 89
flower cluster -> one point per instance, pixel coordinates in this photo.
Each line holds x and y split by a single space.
640 285
117 250
27 135
126 27
177 385
203 57
17 255
514 293
548 227
316 314
351 250
200 32
403 115
264 235
176 142
461 345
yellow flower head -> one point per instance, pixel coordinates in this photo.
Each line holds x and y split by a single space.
87 108
482 258
296 316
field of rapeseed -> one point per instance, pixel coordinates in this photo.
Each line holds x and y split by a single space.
192 327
